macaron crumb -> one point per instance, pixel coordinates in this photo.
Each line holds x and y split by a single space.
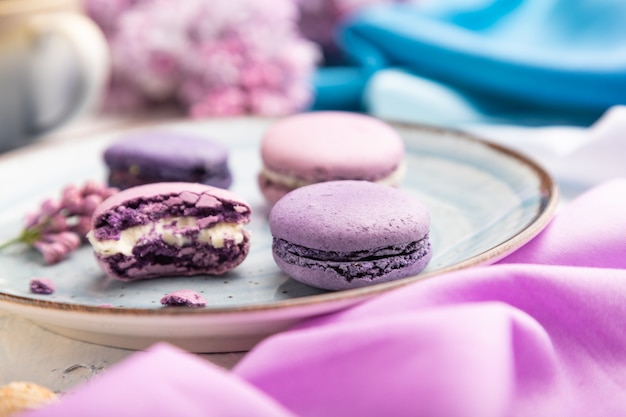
183 298
39 285
20 396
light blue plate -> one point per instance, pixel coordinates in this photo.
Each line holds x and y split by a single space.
485 201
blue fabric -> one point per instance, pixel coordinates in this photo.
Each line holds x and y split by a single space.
506 59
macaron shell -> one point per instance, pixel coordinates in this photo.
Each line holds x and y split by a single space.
169 188
346 216
322 276
166 148
151 255
323 146
168 156
272 191
182 262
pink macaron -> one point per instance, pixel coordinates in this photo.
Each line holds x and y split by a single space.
314 147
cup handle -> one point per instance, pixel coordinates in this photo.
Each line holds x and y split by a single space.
90 54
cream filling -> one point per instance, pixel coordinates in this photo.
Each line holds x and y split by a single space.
293 182
173 230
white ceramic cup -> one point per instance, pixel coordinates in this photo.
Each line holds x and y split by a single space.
54 63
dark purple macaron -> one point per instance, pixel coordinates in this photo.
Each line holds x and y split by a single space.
169 229
158 156
348 234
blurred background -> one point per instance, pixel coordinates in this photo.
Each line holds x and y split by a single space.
439 62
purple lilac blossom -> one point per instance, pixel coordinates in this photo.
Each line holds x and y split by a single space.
217 58
60 226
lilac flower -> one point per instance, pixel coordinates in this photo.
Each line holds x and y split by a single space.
216 58
52 251
106 12
221 102
57 246
82 225
59 227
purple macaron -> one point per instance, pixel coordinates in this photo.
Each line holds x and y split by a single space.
170 229
157 156
339 235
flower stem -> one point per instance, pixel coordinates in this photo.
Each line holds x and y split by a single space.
10 242
28 236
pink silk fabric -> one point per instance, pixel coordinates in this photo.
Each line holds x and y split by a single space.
540 333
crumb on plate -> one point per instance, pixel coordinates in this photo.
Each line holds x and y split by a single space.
41 285
186 298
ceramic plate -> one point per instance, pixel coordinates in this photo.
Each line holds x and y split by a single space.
485 201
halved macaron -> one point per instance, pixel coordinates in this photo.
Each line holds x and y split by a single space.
169 229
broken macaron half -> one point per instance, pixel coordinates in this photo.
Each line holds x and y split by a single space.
170 229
